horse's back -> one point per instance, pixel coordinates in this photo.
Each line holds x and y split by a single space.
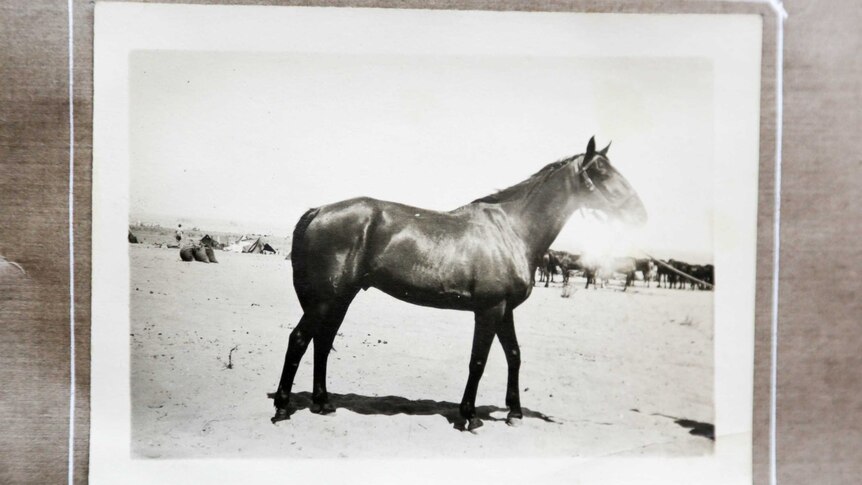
444 259
345 243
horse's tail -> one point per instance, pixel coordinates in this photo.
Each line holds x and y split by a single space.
298 256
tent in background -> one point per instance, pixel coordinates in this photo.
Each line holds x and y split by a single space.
240 245
259 246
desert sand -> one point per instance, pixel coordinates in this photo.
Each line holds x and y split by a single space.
603 372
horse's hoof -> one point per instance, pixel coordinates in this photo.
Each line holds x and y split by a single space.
325 408
474 423
280 415
513 421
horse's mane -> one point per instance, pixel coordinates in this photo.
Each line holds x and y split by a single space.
525 187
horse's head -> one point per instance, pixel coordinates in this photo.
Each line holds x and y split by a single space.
609 191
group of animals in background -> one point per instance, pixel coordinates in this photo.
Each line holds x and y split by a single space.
665 273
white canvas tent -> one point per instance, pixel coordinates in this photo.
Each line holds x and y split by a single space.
260 246
254 245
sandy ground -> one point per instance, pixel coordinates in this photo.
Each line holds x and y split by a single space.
603 372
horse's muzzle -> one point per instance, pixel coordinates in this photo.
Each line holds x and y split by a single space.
632 211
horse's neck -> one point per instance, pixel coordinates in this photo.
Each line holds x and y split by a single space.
539 217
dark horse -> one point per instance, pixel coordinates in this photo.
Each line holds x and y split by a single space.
548 267
480 258
568 263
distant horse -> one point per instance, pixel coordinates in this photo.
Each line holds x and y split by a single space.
672 276
677 278
696 275
600 274
694 270
646 267
548 267
706 274
590 273
626 267
480 257
542 265
663 273
568 262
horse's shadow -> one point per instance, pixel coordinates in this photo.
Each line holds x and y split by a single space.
392 405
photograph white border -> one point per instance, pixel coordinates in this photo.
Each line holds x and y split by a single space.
733 42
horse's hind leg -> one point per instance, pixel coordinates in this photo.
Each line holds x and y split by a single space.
320 324
298 343
331 318
509 342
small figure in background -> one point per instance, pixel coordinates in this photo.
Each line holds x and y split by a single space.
179 233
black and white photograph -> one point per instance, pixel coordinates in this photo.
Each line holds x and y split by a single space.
371 235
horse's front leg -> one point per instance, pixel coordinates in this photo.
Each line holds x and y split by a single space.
487 323
509 342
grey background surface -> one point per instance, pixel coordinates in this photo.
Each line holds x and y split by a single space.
820 364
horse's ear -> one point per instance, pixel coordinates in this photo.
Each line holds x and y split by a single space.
591 150
604 151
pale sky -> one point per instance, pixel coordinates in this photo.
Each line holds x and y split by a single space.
249 141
